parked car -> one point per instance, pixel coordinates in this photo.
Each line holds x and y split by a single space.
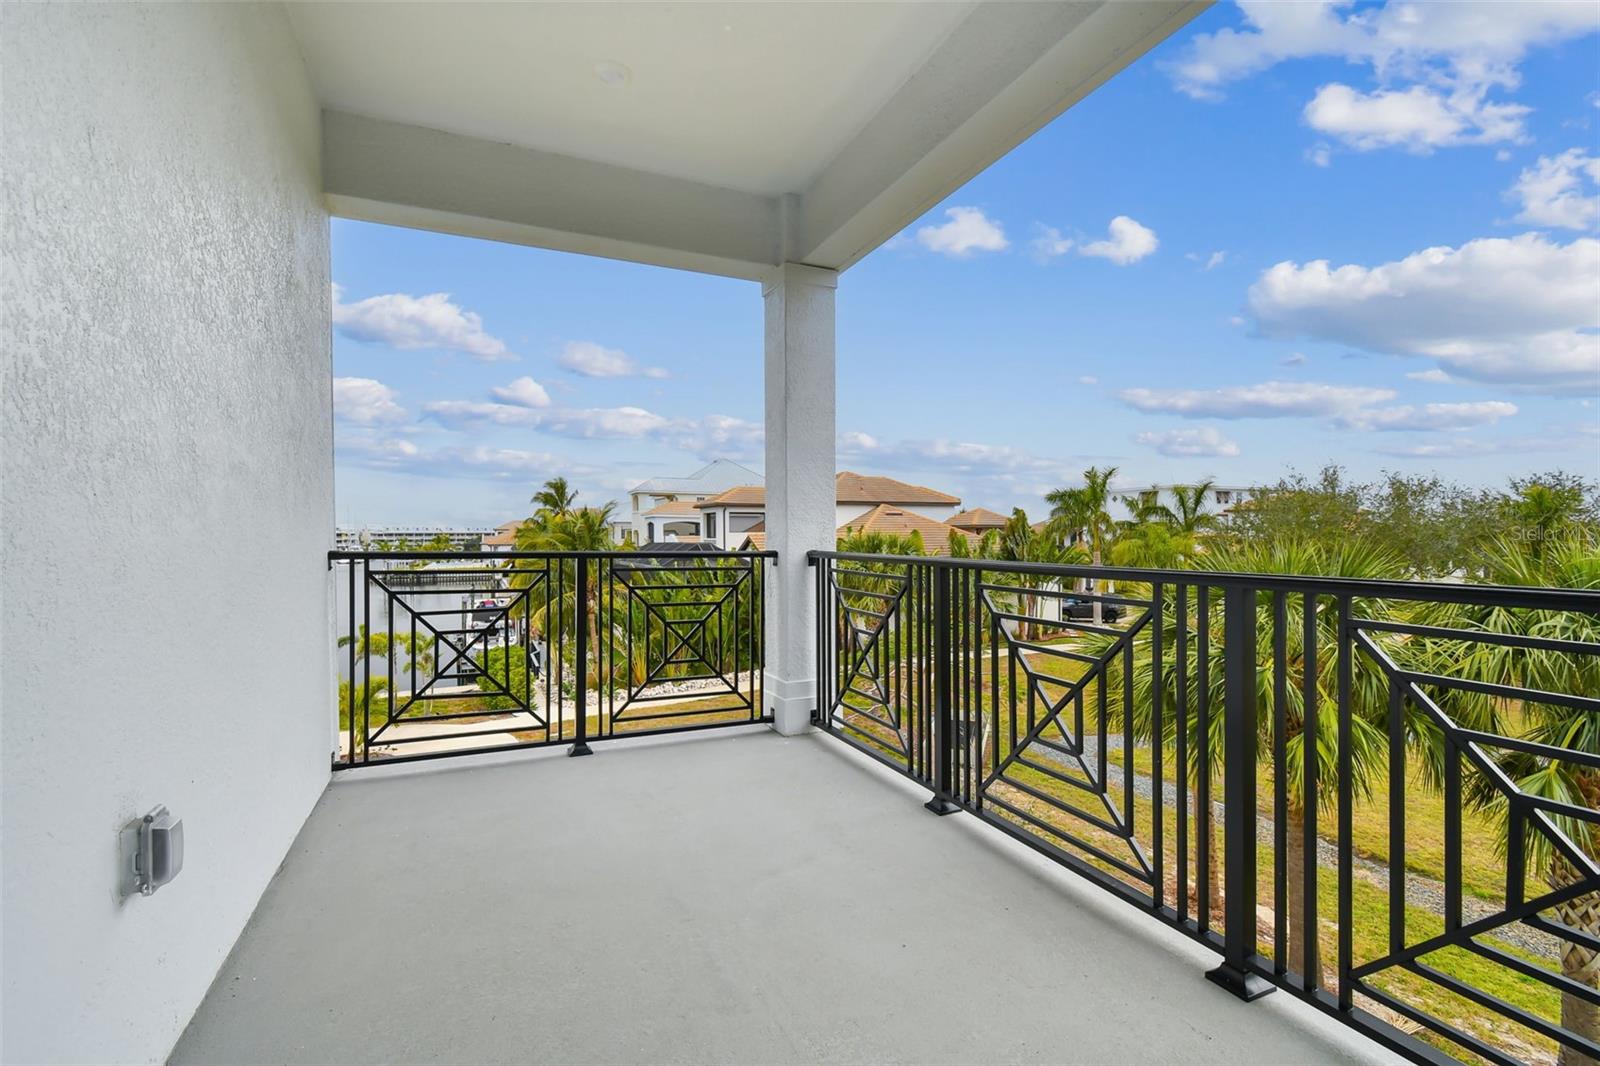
1077 609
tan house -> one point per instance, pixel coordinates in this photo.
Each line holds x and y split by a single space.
730 515
978 521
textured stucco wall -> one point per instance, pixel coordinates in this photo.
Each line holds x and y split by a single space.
166 485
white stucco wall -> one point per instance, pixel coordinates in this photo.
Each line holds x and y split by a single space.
166 485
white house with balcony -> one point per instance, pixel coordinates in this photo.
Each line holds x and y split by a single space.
647 523
170 172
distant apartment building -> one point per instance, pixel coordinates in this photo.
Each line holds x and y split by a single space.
358 538
1220 499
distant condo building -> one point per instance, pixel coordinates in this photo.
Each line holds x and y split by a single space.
355 538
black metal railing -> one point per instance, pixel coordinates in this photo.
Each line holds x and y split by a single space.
447 653
1404 775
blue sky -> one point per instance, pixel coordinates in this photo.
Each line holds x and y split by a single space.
1292 234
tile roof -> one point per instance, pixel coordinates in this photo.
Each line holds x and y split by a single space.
852 488
896 521
738 496
756 539
713 477
504 536
978 518
672 507
863 488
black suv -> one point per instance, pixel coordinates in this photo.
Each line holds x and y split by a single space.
1081 610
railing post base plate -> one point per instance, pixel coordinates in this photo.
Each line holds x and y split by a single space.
1247 986
941 806
580 748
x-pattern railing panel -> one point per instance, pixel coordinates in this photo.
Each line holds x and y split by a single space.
1211 743
454 652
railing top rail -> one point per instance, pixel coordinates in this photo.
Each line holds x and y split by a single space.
447 556
1553 599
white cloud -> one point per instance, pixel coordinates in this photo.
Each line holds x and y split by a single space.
1435 63
523 392
1319 154
968 230
1207 262
1519 311
621 423
1551 192
1129 242
1433 376
1270 399
593 360
718 437
1088 379
1294 359
1432 416
1189 442
1418 119
480 461
1471 447
365 402
411 322
962 457
1050 243
711 436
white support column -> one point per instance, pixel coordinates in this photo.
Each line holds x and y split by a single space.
800 478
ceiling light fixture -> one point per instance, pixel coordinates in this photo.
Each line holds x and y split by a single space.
613 74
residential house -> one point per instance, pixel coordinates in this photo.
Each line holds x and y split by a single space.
504 537
740 510
978 521
714 477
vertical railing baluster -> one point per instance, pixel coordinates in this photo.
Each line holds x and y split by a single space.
1346 795
1280 782
366 659
1452 835
1158 699
1181 745
350 698
941 803
1397 817
1240 734
1202 774
580 591
1310 733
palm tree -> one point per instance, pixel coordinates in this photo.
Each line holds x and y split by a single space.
587 529
555 499
1155 546
1019 542
1086 508
1564 559
1369 698
1190 515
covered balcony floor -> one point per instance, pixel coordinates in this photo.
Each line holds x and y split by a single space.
741 897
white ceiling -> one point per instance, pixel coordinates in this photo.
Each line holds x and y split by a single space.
743 135
757 97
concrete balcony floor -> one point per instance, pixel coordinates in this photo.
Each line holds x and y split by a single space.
741 897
